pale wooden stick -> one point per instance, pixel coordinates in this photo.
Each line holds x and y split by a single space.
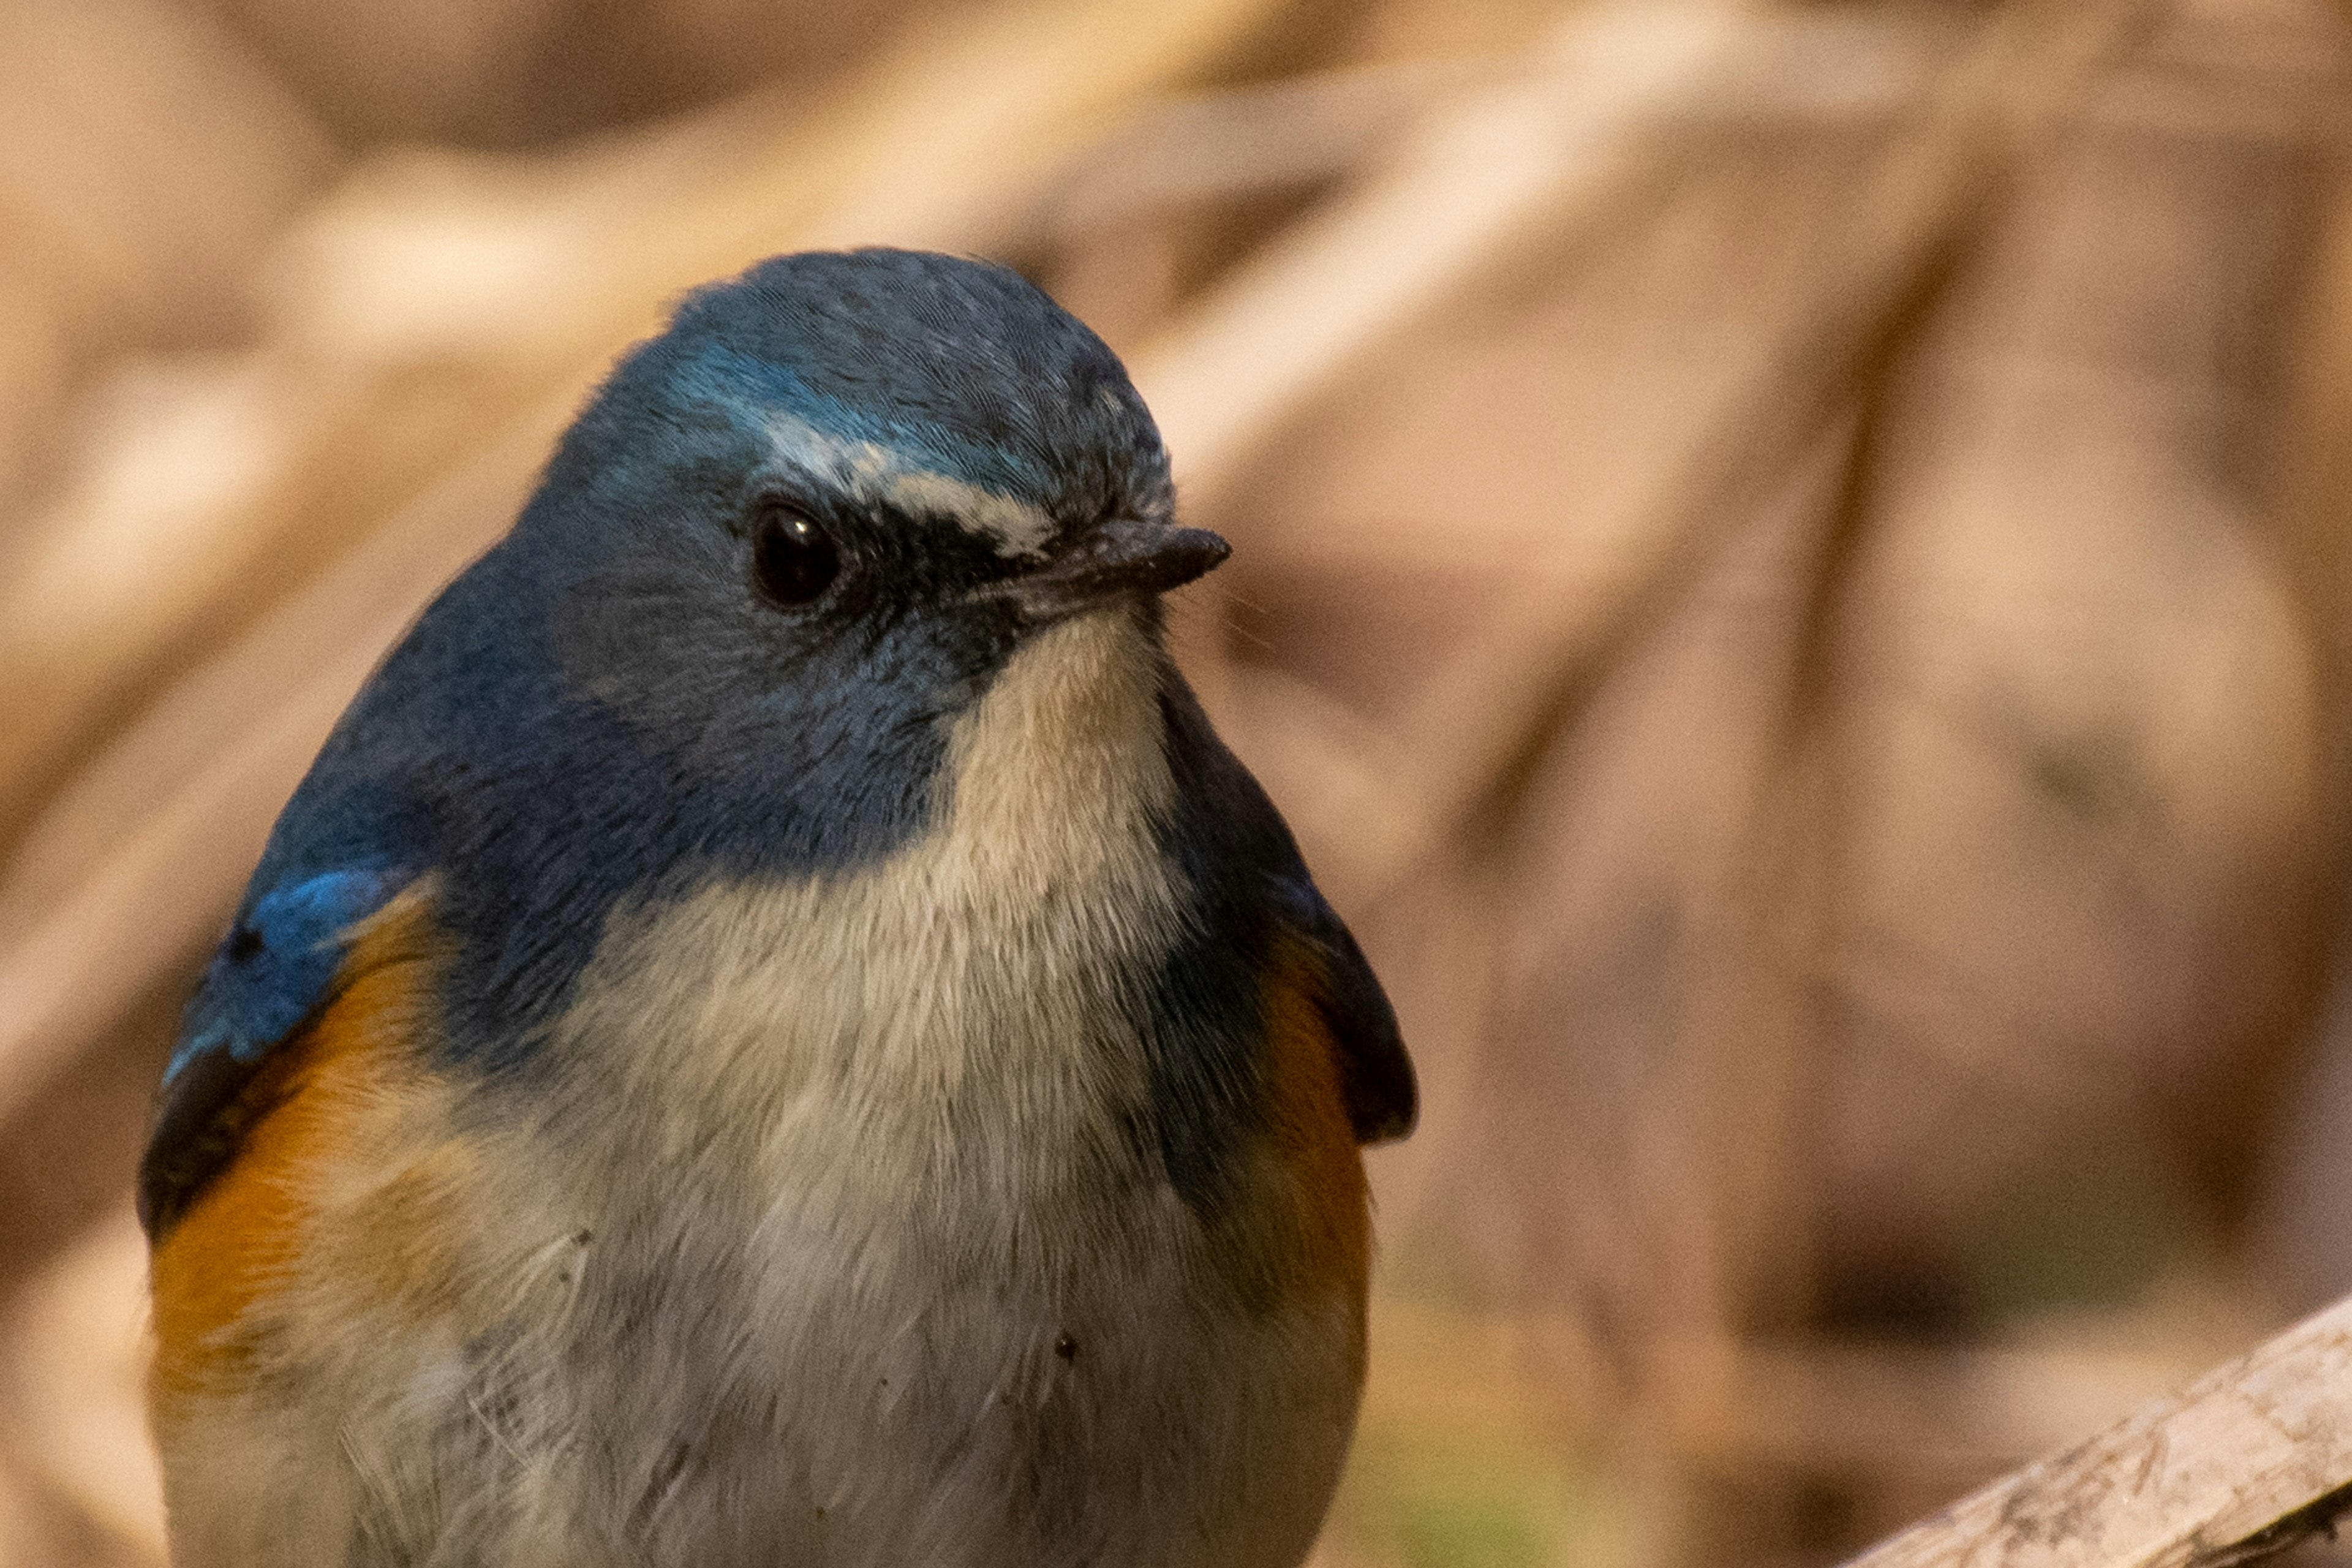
2251 1460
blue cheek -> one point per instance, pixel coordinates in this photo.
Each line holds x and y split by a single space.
840 765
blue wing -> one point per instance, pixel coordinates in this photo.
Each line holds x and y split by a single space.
1243 864
277 967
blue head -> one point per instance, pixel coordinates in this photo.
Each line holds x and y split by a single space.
787 543
796 530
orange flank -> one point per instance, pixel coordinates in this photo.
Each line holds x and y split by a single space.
322 1103
1307 1115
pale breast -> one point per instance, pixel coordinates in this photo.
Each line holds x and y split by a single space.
878 1178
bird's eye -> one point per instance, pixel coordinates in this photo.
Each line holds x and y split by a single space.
793 559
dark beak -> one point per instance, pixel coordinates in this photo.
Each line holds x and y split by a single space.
1124 558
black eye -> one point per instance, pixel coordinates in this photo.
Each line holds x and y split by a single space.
793 559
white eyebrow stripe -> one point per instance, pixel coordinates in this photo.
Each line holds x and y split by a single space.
1018 528
873 473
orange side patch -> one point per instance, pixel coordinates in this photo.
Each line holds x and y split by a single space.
1307 1115
243 1239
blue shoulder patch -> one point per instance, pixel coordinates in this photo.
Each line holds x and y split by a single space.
274 970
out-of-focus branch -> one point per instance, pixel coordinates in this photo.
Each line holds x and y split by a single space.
1578 143
1480 720
1470 189
169 876
2251 1460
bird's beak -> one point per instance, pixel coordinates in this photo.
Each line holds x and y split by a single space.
1124 558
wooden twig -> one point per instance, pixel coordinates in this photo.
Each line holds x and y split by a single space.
2251 1460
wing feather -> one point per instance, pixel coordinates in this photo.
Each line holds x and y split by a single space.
1239 853
1376 1074
281 963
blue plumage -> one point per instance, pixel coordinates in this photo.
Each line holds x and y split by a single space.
275 968
716 781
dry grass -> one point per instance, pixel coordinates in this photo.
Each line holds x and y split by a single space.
1790 574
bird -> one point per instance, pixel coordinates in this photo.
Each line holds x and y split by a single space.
773 1031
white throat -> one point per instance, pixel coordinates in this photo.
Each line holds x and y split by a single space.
959 1003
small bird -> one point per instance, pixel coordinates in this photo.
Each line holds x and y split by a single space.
773 1032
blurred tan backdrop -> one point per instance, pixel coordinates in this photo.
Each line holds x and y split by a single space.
1791 573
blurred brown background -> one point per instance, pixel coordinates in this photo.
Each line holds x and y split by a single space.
1791 573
